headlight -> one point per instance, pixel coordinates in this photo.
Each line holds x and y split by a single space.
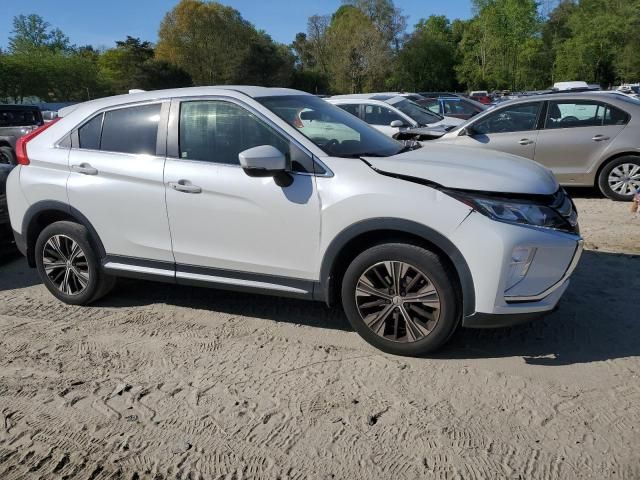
517 211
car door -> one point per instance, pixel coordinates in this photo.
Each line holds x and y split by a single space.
227 226
511 129
380 117
116 180
575 136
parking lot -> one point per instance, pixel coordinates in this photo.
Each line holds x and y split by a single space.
158 381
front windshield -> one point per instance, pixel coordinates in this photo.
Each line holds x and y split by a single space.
336 132
418 113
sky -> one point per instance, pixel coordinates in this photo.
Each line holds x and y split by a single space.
101 23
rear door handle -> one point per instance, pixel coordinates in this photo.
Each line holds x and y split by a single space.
600 138
85 169
525 141
185 186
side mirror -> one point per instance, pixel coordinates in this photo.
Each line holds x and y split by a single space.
397 124
266 161
467 131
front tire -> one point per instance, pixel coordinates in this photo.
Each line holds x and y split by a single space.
401 298
68 265
620 178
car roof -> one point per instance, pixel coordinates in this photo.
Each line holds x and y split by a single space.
568 96
235 90
380 97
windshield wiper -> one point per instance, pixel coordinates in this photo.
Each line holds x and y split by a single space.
363 154
409 147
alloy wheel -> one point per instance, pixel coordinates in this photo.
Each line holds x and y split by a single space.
397 301
65 264
624 179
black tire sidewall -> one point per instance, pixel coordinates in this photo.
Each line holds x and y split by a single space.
8 152
431 265
603 178
79 234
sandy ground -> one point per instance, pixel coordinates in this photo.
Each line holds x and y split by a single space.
159 382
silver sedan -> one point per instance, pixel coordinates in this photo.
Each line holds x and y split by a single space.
586 139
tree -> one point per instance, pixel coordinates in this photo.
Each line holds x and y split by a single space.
358 54
494 42
215 45
427 59
603 42
386 17
119 66
318 42
32 33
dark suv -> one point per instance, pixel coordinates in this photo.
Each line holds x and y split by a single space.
16 121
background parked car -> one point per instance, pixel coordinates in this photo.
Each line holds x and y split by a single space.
586 139
453 106
16 121
390 113
481 96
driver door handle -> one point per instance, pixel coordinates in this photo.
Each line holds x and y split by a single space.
185 186
525 141
85 169
600 138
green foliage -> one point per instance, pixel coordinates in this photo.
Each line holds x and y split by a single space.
603 42
215 45
31 33
362 46
358 53
428 57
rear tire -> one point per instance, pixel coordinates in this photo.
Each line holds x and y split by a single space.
401 298
619 177
68 265
7 157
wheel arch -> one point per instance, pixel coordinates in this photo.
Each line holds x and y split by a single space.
362 235
42 214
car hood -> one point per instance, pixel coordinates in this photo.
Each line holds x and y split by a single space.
446 121
467 168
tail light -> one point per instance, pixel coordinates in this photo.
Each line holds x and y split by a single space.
21 144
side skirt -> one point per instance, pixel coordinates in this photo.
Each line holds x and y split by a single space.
170 272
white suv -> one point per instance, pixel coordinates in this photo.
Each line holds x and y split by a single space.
226 187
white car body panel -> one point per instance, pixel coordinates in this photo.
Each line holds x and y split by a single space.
125 202
243 223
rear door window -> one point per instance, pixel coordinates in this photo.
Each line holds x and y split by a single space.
379 115
352 108
585 113
131 130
